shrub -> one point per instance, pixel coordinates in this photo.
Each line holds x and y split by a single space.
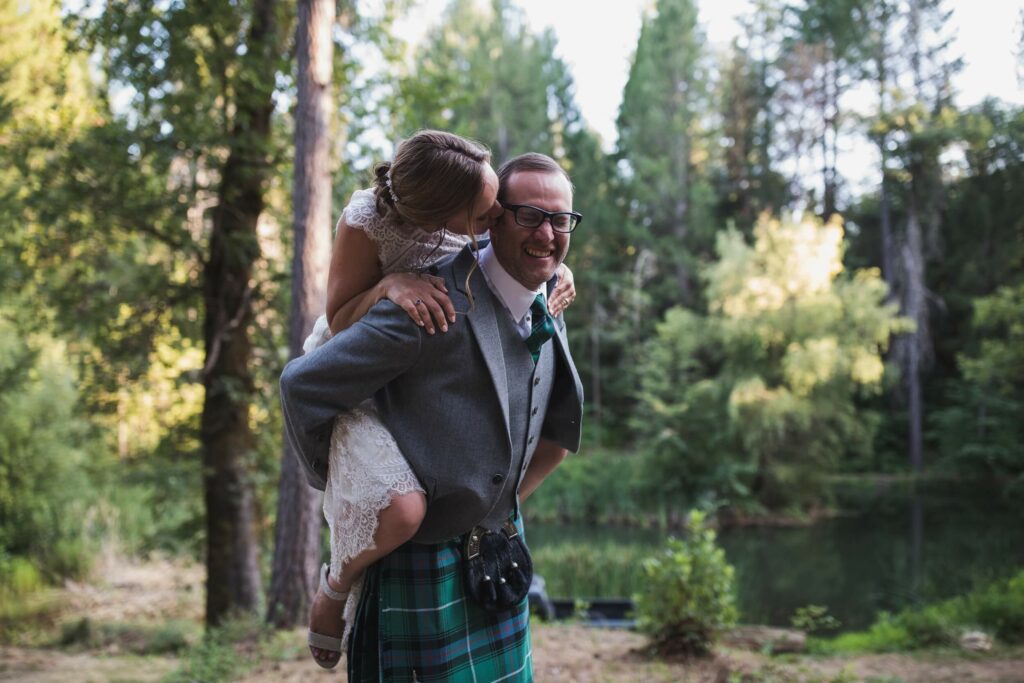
688 599
45 490
997 608
811 618
225 653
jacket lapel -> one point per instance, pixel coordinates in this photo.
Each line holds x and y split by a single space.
483 320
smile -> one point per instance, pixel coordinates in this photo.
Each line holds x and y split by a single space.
539 253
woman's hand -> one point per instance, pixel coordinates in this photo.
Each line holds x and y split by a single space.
564 292
424 297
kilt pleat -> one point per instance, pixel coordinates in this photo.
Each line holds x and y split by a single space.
415 623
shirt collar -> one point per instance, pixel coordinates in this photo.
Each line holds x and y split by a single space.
516 298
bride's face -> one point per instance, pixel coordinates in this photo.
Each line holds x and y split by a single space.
484 212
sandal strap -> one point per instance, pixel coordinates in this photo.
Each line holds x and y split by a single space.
337 596
324 642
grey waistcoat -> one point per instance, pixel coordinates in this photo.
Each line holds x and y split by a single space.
529 389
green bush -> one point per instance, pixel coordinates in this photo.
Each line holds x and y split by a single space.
45 448
997 608
225 653
596 486
18 577
688 598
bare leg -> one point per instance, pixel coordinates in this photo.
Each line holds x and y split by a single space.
397 523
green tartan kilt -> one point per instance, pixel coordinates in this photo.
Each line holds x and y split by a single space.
415 623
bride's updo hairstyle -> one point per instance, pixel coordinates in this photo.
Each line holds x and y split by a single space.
433 176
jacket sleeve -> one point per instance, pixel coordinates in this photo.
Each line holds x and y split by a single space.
350 368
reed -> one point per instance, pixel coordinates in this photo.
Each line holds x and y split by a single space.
577 570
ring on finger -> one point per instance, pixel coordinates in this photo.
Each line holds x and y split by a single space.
417 302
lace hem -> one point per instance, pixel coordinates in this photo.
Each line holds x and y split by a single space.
365 471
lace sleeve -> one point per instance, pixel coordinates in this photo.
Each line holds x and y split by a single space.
361 211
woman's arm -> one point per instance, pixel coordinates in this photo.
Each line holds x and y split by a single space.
355 283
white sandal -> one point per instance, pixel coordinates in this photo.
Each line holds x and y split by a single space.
320 641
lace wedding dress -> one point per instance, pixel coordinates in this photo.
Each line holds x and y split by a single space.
365 466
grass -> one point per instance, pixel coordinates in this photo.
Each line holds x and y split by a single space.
230 650
604 570
997 609
169 637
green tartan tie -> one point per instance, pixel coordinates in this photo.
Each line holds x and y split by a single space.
543 327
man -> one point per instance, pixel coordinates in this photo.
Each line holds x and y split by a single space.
483 413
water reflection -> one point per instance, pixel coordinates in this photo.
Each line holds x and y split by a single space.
897 549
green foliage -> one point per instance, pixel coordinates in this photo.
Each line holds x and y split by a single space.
662 139
595 486
759 398
225 653
997 608
980 430
18 577
592 570
143 639
811 618
484 74
211 661
45 447
688 598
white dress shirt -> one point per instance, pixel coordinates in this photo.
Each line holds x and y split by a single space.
516 298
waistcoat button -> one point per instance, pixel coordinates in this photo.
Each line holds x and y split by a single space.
497 479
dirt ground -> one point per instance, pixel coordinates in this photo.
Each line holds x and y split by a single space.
565 652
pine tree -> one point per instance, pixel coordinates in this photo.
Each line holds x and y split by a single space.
748 183
660 138
483 74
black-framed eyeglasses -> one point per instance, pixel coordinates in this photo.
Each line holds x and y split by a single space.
531 217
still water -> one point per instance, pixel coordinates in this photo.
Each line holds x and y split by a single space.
886 551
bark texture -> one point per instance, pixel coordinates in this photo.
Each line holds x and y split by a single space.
233 577
297 532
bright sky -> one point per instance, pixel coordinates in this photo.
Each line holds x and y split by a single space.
597 41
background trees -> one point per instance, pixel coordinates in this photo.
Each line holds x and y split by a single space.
149 155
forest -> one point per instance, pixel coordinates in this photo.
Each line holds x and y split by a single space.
750 328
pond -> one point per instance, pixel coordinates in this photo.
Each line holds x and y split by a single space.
886 551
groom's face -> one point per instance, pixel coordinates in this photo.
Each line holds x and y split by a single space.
532 256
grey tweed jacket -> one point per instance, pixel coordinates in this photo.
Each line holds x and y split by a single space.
444 397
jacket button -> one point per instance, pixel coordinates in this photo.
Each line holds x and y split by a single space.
497 479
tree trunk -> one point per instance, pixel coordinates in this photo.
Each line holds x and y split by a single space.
297 532
915 308
885 215
595 398
233 577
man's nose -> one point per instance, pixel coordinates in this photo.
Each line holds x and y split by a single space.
549 231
